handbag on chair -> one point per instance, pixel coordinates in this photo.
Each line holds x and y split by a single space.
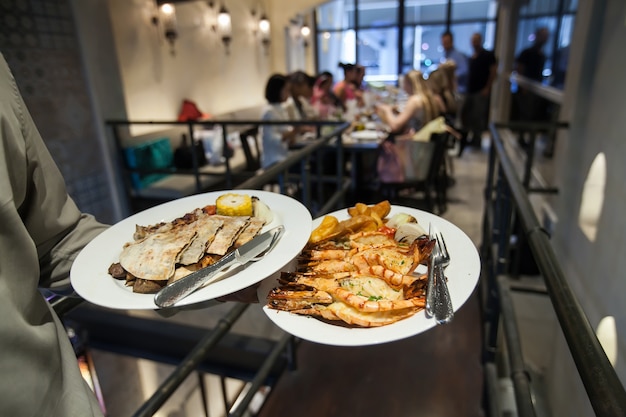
183 155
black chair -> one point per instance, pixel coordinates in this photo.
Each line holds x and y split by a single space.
253 154
425 175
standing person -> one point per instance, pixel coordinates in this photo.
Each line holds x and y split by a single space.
529 63
42 232
450 53
480 78
276 138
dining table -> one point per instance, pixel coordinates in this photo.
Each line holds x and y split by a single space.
360 144
361 147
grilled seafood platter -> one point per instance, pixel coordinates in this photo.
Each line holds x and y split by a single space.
358 272
165 252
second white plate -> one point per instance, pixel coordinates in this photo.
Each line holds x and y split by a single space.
463 273
367 135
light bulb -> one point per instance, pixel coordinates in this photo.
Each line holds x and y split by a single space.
264 25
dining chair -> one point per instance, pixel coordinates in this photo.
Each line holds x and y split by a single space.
252 153
425 176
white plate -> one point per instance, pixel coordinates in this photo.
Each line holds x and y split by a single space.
366 135
463 273
91 280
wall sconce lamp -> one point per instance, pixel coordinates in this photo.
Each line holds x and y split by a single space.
305 31
224 27
166 18
264 32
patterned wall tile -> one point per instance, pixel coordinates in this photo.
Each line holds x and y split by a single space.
39 41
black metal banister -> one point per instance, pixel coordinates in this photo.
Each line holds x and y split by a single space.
518 373
604 389
190 363
276 171
549 93
261 375
202 349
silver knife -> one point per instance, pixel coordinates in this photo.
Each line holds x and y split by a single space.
178 290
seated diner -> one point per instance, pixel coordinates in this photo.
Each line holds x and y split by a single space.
276 138
420 108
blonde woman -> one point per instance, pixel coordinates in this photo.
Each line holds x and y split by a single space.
420 108
443 93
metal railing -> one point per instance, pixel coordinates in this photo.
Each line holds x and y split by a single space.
198 354
506 199
301 156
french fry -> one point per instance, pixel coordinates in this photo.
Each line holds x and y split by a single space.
328 228
363 218
376 217
382 209
359 223
359 209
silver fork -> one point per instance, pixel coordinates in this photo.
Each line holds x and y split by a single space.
442 304
430 288
443 250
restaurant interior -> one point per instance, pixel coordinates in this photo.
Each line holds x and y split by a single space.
541 331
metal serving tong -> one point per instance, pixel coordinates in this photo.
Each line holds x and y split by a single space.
438 302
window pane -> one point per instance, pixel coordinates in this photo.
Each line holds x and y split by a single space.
561 55
378 13
567 28
570 6
333 48
536 7
415 11
378 53
336 14
477 9
422 49
407 50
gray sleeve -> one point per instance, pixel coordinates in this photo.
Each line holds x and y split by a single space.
55 265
